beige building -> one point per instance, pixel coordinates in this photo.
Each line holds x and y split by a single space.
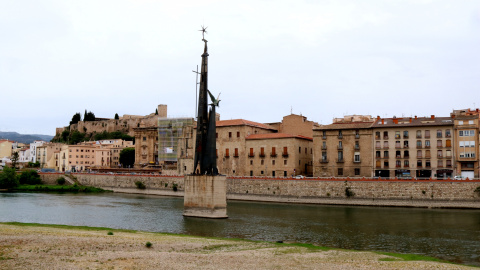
46 155
6 148
466 142
344 148
295 124
413 147
146 146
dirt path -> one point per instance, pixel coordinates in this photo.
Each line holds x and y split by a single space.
36 247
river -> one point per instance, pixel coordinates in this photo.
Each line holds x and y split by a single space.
452 235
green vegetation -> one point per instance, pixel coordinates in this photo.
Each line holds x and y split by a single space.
33 165
14 159
61 181
8 178
175 187
88 116
477 190
110 233
127 157
85 228
76 118
349 192
58 188
140 185
30 177
112 135
408 257
116 116
148 245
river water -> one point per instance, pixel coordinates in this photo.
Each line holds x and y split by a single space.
452 235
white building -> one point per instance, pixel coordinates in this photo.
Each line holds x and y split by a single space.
33 150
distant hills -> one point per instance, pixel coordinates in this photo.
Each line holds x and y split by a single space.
24 138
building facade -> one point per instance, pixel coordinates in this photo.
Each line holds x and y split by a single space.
466 142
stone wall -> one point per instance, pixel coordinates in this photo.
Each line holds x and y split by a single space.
443 193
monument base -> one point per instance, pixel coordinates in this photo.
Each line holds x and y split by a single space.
205 196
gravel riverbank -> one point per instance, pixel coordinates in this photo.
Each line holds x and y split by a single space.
39 247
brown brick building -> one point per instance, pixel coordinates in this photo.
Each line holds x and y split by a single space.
466 142
344 148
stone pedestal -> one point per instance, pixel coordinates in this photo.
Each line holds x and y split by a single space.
205 196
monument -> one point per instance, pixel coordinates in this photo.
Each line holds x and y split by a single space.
205 189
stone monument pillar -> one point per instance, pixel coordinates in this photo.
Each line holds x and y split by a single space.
205 189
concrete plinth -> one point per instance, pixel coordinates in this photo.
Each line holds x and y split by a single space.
205 196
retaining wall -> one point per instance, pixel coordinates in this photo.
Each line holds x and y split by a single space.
421 193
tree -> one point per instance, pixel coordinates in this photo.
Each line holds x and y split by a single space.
89 116
14 160
156 111
30 177
76 137
76 118
8 178
116 116
127 157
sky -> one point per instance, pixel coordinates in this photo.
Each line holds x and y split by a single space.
321 59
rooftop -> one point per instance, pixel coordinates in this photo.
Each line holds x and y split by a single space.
276 136
242 122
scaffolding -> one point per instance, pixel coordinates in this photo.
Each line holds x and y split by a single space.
169 131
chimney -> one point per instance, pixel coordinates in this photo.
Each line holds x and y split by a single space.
378 117
410 119
432 116
395 120
415 117
383 121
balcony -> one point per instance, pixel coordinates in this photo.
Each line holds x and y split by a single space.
357 136
273 155
427 136
357 161
398 165
440 156
251 155
227 156
439 136
324 147
406 165
398 156
398 146
340 136
324 137
378 147
427 146
377 137
419 136
419 147
339 147
261 155
285 155
385 137
448 135
235 156
405 136
406 146
340 160
324 160
357 147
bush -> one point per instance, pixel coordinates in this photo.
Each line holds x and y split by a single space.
110 233
30 177
348 192
175 187
8 178
148 245
140 185
61 181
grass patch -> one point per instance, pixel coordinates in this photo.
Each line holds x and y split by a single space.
310 247
58 188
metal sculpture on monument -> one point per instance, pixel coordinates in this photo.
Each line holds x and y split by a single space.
205 189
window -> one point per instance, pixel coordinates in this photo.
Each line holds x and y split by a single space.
419 134
216 135
340 145
440 163
439 143
397 144
357 171
405 144
470 122
251 162
262 152
227 152
419 144
385 135
427 154
238 134
419 163
377 135
448 143
377 144
144 139
449 163
398 163
229 134
285 162
251 152
385 144
397 134
406 164
406 154
340 134
448 134
398 154
340 155
236 152
419 153
274 153
448 153
385 154
356 157
285 151
251 173
340 171
273 162
427 133
427 164
427 143
262 162
405 134
299 150
385 164
439 133
460 122
460 133
357 145
439 153
324 156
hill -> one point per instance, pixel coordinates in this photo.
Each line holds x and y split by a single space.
24 138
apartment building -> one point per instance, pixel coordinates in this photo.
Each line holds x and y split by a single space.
6 147
466 142
46 154
343 148
413 147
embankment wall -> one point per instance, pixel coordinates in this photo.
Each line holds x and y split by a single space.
422 193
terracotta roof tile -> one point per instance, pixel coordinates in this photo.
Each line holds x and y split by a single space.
276 136
351 125
242 122
420 121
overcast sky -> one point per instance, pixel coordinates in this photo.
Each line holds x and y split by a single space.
321 59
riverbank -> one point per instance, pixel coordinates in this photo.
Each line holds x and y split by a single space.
34 246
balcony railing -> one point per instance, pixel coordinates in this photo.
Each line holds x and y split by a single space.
406 165
357 147
385 137
324 160
357 161
406 146
273 155
261 155
324 147
340 136
339 147
324 137
357 136
251 155
340 160
285 155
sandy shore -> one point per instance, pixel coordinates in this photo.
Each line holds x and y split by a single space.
36 247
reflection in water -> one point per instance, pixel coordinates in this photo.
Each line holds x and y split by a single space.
449 234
